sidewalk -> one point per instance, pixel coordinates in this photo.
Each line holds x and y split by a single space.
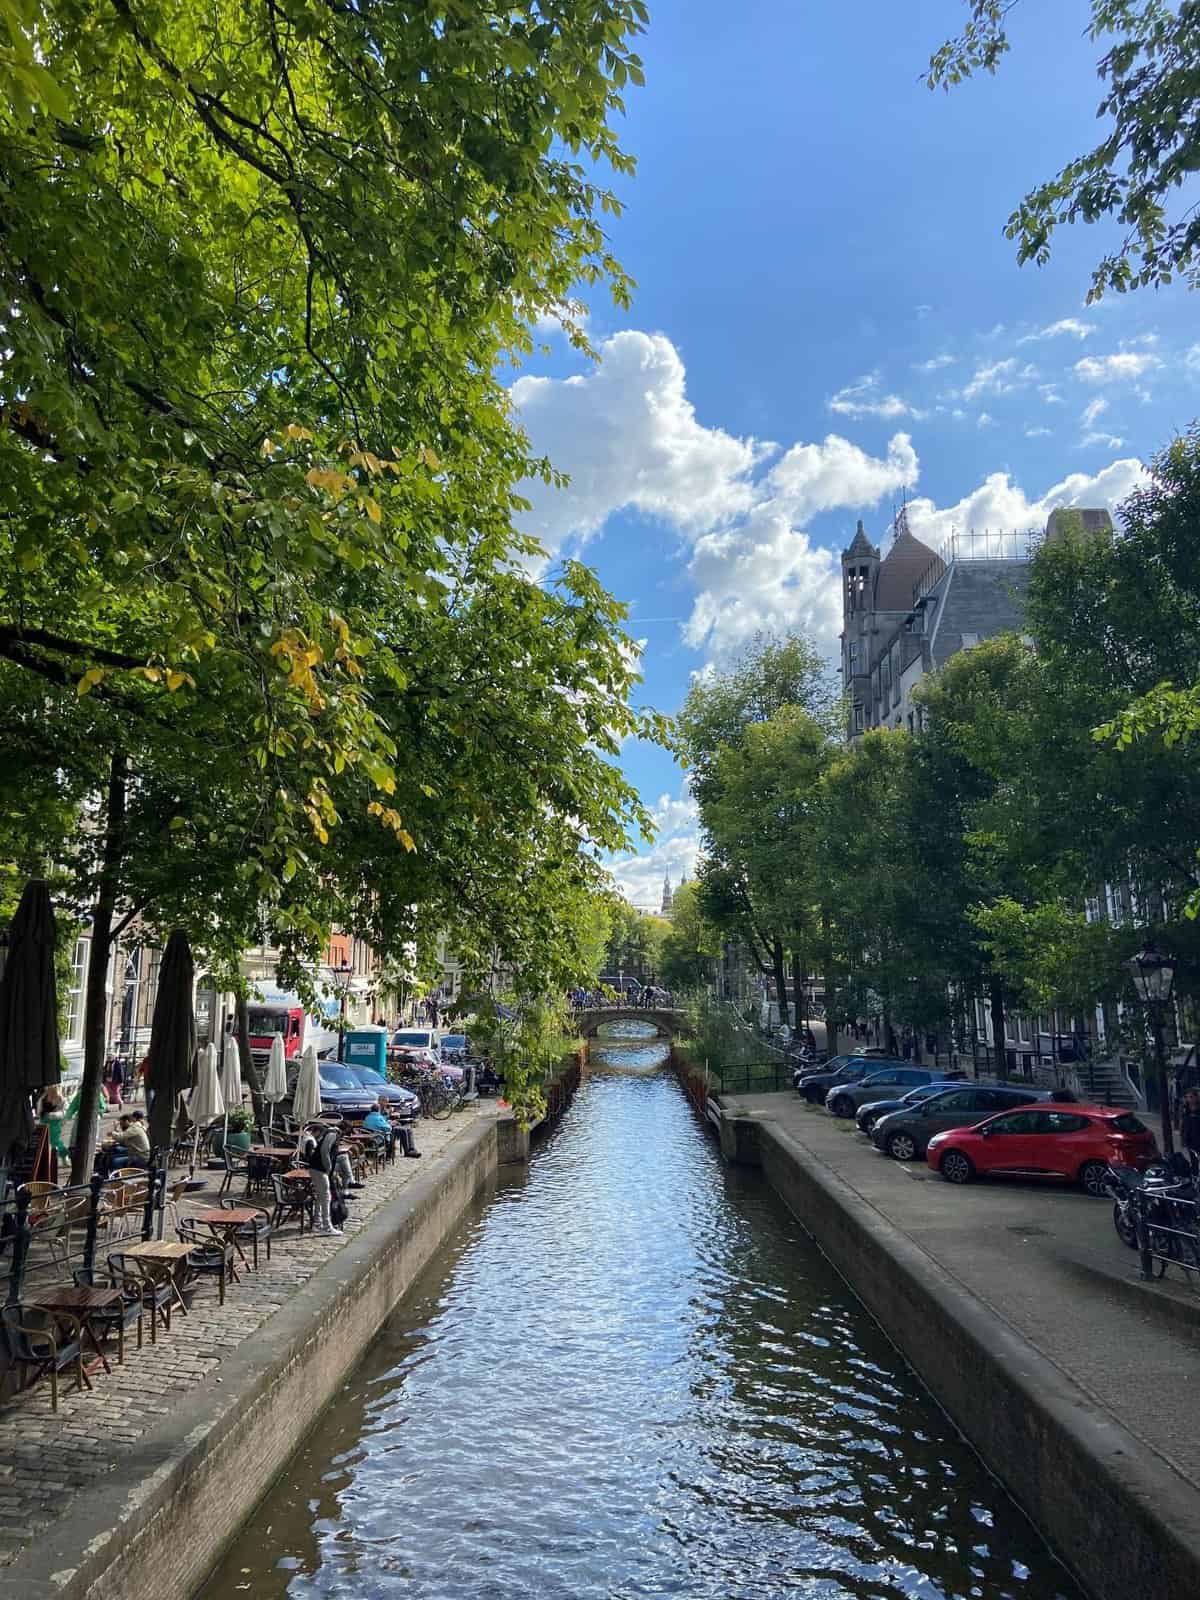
1046 1260
48 1459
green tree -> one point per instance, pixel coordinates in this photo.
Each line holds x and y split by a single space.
258 470
1150 146
689 946
755 738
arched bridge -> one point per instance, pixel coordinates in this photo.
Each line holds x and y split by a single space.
666 1020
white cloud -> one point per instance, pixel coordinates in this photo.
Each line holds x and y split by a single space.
1049 393
1121 365
1094 409
1068 325
983 420
934 364
998 377
628 436
675 849
1001 507
1192 359
810 478
1110 441
865 399
1037 433
764 575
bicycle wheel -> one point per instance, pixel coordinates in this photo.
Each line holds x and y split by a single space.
441 1102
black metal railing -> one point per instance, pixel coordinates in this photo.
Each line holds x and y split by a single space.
754 1077
1168 1233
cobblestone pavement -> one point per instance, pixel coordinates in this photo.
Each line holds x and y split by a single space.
47 1458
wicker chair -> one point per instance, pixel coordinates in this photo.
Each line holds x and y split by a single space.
209 1256
291 1200
233 1169
151 1282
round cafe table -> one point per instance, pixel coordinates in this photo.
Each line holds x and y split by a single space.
223 1222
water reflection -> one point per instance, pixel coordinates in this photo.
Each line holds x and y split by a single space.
630 1376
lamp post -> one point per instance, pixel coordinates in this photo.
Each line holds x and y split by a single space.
344 971
1153 975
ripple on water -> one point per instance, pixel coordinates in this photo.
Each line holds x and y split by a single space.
631 1375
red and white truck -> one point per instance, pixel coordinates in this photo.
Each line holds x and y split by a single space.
284 1013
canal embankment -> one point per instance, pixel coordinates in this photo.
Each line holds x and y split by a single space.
1072 1393
145 1480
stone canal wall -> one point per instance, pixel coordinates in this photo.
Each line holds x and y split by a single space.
1115 1514
155 1527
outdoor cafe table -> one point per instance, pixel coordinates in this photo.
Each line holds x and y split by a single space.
160 1253
83 1303
275 1152
220 1221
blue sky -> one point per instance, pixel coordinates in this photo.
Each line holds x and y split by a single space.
828 320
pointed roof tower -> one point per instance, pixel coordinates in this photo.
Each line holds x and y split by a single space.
902 567
860 545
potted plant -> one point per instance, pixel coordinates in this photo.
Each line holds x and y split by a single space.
241 1127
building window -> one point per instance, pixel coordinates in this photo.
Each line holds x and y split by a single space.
75 988
911 723
969 641
858 719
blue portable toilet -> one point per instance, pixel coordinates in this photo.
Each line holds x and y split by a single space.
367 1047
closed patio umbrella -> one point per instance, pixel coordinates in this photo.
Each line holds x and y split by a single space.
206 1102
28 1015
231 1077
306 1097
172 1039
275 1088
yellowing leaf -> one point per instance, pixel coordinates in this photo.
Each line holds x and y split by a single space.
176 680
89 680
295 431
371 507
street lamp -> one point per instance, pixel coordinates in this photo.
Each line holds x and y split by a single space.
344 971
1153 976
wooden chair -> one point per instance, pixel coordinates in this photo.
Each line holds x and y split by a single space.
291 1200
35 1340
209 1256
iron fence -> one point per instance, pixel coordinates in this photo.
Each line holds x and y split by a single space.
754 1077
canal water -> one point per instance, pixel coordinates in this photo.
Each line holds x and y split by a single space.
632 1375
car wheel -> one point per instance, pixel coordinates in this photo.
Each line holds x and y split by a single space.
842 1107
1093 1176
902 1147
955 1167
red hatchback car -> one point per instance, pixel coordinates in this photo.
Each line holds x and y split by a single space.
1075 1142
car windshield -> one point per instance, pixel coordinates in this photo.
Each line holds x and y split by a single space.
419 1038
454 1041
262 1022
925 1092
337 1077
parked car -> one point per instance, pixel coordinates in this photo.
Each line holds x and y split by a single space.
869 1113
844 1099
814 1086
376 1084
341 1093
905 1134
417 1039
454 1047
1075 1143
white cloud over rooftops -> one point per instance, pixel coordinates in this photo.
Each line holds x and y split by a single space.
1119 367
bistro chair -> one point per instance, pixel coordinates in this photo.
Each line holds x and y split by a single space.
258 1172
126 1315
291 1200
209 1256
233 1169
151 1281
35 1339
252 1234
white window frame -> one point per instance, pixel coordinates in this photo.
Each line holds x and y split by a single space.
77 988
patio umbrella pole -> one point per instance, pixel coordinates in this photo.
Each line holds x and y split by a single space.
155 1187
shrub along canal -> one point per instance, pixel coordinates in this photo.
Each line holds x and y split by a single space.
632 1375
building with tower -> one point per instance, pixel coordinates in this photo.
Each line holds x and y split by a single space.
668 895
904 614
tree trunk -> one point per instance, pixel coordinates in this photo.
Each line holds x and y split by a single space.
250 1072
780 977
799 1003
996 998
95 1013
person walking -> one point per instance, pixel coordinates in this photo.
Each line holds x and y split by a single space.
116 1082
1187 1120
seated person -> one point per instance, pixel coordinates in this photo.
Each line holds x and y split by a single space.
379 1120
130 1146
